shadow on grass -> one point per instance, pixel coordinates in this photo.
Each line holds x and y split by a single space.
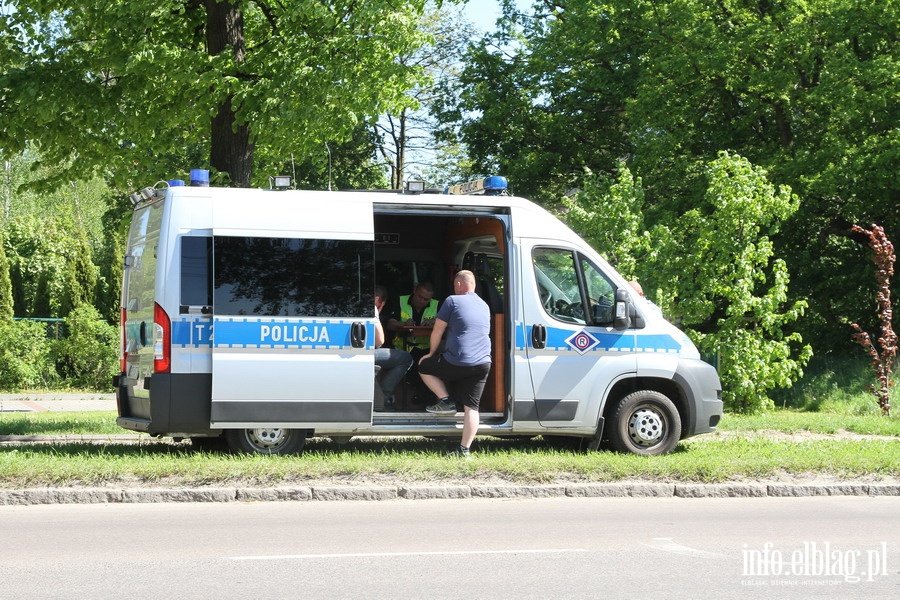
315 447
318 447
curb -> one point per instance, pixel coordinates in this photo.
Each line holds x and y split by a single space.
329 493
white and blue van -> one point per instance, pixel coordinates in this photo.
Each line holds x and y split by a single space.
248 314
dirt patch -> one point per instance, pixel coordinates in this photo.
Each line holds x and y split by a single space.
798 436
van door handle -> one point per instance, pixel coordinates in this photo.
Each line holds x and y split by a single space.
142 334
358 334
538 337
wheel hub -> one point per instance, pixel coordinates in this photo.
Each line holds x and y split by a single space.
645 427
266 438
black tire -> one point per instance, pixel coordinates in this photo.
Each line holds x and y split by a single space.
266 440
645 422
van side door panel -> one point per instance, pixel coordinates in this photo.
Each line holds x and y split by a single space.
293 328
572 351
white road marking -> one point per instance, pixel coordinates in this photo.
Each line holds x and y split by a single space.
667 545
393 554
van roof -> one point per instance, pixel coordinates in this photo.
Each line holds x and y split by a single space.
240 204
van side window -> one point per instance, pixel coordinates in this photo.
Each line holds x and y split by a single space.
196 274
565 279
557 280
601 294
293 277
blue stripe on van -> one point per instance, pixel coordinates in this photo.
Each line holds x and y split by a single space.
608 342
194 333
265 333
273 333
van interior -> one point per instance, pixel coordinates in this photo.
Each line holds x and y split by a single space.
414 248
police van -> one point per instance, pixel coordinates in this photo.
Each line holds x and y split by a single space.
247 315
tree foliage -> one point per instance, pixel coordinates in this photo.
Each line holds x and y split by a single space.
607 214
87 355
6 297
805 90
712 270
138 86
728 288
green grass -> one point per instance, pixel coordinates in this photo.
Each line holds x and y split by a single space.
59 423
738 452
828 425
838 385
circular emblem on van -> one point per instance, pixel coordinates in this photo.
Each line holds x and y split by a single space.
582 341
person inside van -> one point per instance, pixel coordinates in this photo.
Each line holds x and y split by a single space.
394 363
416 309
457 374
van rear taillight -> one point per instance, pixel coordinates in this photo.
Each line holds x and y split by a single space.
123 348
162 341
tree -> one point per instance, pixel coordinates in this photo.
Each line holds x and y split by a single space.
6 297
805 90
407 144
712 269
719 278
79 276
542 99
884 355
129 85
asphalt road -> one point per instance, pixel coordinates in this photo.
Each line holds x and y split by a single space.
822 547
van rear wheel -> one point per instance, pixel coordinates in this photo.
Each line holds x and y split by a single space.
645 422
266 440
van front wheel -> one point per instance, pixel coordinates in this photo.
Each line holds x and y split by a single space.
266 440
645 422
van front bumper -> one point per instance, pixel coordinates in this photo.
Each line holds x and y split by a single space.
702 389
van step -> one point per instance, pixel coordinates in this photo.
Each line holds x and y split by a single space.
418 416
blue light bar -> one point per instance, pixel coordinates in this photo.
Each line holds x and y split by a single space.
495 183
489 186
200 177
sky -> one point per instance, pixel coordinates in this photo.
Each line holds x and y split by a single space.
484 13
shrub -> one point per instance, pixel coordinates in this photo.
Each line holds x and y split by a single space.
88 355
24 356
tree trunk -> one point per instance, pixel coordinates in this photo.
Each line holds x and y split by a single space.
231 151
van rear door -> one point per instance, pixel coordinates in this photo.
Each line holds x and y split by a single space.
293 318
138 304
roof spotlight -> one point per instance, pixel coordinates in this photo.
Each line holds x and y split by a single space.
415 187
280 182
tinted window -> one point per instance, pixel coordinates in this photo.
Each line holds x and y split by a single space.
293 277
196 275
600 292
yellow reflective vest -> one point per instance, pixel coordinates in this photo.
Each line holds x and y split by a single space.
406 313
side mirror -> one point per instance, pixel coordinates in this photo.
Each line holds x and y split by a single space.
623 319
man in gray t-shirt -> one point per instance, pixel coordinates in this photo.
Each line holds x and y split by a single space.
464 364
